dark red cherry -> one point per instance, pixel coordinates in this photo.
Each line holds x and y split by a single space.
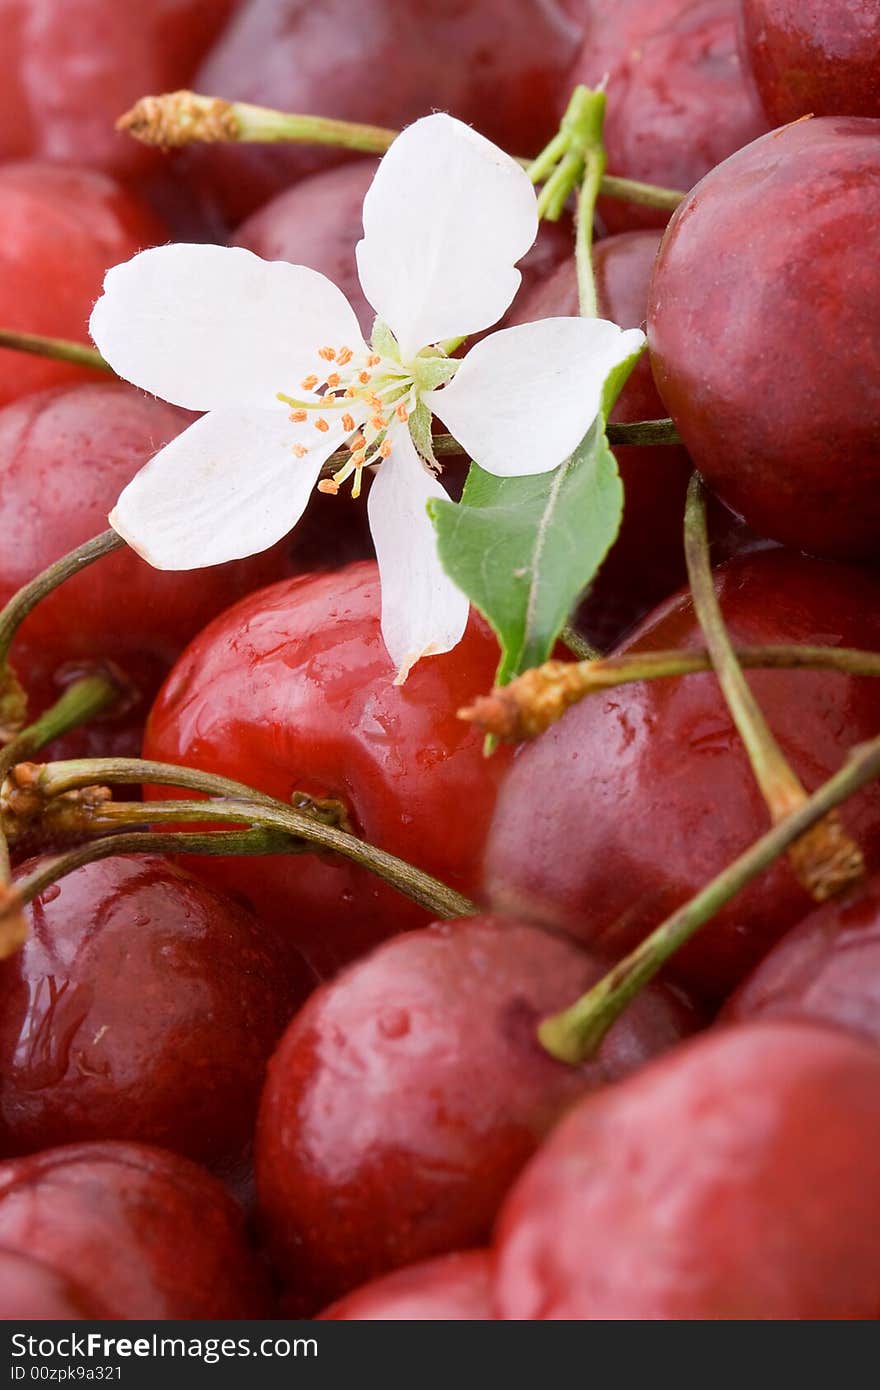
761 327
406 1096
62 230
826 970
817 57
678 100
671 796
500 64
142 1006
735 1179
31 1291
453 1288
72 68
292 690
143 1233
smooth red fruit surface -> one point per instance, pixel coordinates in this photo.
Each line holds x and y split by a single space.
453 1288
31 1291
147 1234
816 57
646 563
62 230
776 389
72 67
826 970
500 64
736 1179
406 1096
672 799
142 1006
292 690
678 99
319 222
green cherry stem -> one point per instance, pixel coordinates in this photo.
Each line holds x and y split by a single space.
62 349
27 598
827 861
574 1034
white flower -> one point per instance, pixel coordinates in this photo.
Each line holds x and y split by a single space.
273 353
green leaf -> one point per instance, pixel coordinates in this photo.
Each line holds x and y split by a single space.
523 549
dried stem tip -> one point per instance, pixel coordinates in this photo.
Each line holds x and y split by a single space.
532 702
180 118
25 808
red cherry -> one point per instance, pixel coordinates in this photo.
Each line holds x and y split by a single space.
62 230
678 100
142 1006
672 799
737 1178
826 970
291 690
815 57
406 1096
500 64
31 1291
143 1233
775 387
453 1288
72 68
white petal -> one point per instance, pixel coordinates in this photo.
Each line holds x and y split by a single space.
524 397
228 486
445 219
207 327
423 613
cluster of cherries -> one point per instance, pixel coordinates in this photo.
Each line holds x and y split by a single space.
239 1087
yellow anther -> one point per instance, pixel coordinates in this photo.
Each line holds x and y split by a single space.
321 424
329 486
385 448
374 400
373 360
350 393
379 422
344 356
358 443
296 417
333 380
309 383
300 450
328 354
364 377
401 412
348 423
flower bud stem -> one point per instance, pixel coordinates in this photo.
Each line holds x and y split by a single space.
62 349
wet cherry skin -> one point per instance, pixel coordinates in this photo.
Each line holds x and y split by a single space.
813 56
499 64
292 690
452 1288
678 99
411 1089
144 1233
72 67
826 970
776 390
142 1006
735 1179
31 1291
671 795
62 230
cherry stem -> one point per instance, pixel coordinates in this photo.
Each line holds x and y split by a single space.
81 701
63 349
174 119
244 805
574 1034
828 861
27 598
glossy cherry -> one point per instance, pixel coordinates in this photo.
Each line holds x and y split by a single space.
826 970
734 1180
292 690
500 64
406 1096
62 230
142 1006
776 390
143 1233
453 1288
32 1291
678 100
71 67
672 799
816 57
